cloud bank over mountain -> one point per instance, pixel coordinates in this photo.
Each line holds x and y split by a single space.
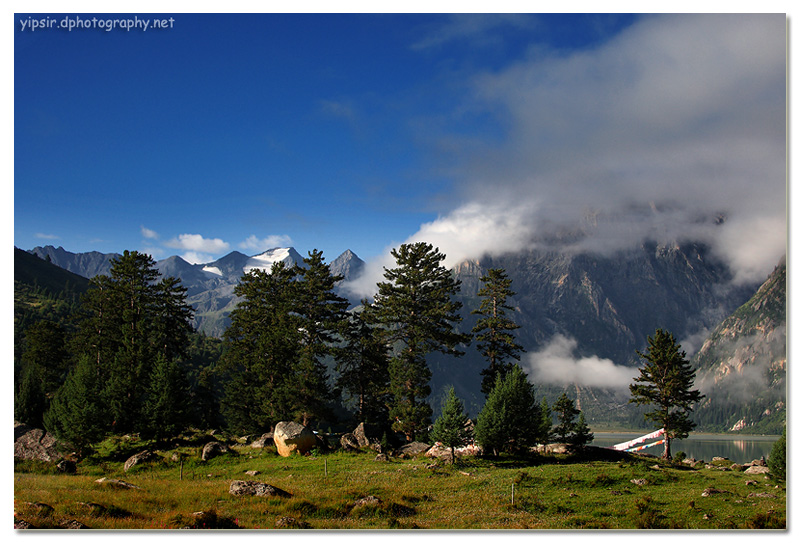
674 128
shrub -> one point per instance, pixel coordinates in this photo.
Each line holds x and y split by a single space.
777 458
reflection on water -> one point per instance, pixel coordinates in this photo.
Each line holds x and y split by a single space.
737 448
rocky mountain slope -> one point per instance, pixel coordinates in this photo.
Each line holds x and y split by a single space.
742 364
583 316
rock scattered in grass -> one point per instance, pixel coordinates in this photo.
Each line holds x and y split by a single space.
709 491
287 522
119 484
257 489
639 481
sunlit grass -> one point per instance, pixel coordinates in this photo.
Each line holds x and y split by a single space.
548 493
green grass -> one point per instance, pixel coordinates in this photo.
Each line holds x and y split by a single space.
549 493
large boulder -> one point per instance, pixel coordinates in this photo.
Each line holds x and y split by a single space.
263 441
293 437
368 435
145 456
349 442
412 449
213 449
36 444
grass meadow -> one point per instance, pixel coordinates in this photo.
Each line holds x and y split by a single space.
353 490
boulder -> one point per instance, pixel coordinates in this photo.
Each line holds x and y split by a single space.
443 452
263 441
412 449
141 457
256 489
119 484
349 442
293 437
757 470
36 444
213 449
368 435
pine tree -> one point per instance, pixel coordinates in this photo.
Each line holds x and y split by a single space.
261 351
30 402
666 381
418 316
565 409
581 433
362 364
77 414
511 420
165 409
777 458
321 315
450 428
493 331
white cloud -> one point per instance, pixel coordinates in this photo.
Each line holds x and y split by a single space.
149 233
676 121
47 236
557 364
194 257
262 244
196 243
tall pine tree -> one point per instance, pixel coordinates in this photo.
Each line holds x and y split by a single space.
362 364
416 309
666 381
450 428
494 328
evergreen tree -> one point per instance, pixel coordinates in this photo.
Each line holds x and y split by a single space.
566 411
511 420
493 331
362 364
777 458
165 409
450 428
128 319
666 381
418 316
30 402
581 433
261 351
77 414
321 317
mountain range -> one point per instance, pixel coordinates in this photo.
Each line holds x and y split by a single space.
209 285
582 318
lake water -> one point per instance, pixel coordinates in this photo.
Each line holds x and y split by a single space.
738 448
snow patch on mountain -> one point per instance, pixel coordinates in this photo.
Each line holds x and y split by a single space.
212 270
264 261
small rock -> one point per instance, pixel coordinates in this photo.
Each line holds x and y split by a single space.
639 481
253 472
120 484
763 495
751 482
72 524
287 522
257 489
368 500
712 491
382 457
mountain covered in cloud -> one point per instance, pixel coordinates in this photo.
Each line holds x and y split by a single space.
742 364
582 317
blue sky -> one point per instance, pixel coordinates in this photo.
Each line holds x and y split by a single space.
474 132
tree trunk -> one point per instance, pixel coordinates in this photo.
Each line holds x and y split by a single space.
667 455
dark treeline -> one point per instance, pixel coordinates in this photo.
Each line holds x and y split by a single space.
126 359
